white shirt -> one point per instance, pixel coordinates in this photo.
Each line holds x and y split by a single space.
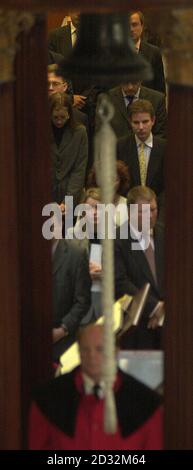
136 97
67 20
89 385
137 45
73 34
138 237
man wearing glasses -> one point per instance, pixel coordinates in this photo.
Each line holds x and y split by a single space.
58 84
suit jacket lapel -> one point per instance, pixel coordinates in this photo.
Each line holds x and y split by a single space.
151 170
65 41
134 167
121 103
143 94
62 152
142 263
154 161
159 258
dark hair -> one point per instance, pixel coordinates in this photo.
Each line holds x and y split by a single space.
141 106
122 173
138 12
55 68
59 100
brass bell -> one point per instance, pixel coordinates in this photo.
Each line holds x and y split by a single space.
104 52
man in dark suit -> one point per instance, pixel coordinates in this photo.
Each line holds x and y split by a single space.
71 292
142 119
54 58
135 267
150 52
123 95
61 40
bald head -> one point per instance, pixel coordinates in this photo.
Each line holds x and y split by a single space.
90 341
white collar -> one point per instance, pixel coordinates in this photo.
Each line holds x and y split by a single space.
148 141
136 96
141 240
137 45
89 384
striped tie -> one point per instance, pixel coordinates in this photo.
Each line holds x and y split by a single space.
142 164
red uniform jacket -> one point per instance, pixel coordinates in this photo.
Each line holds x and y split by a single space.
62 417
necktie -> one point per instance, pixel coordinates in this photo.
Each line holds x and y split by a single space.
73 37
96 391
142 164
130 98
150 256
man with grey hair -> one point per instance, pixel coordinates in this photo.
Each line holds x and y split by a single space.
68 412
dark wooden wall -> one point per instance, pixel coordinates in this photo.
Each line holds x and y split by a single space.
54 19
25 269
179 270
92 5
10 366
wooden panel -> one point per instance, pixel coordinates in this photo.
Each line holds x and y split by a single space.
179 262
9 286
25 271
91 5
32 144
54 19
25 268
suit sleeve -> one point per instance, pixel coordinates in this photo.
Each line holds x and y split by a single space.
52 40
123 285
76 178
159 77
160 126
81 297
121 145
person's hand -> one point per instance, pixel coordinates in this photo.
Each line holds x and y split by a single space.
95 270
79 101
156 316
58 333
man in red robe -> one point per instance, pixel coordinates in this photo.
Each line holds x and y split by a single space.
68 413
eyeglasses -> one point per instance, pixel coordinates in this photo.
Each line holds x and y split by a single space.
54 84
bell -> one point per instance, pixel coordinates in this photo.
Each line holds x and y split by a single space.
104 52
